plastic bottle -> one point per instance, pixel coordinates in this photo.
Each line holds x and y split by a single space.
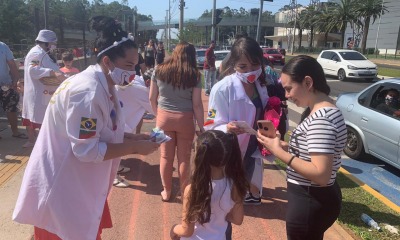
369 221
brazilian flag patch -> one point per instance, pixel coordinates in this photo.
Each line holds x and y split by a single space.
211 114
87 128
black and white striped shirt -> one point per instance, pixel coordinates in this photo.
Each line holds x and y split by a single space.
322 132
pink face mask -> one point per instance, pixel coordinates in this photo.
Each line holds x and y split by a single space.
249 77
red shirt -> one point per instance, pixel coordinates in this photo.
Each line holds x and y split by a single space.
210 59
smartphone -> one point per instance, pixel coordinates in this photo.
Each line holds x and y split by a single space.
266 128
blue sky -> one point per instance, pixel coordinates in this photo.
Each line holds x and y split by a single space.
194 8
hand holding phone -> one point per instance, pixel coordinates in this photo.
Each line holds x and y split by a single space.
266 128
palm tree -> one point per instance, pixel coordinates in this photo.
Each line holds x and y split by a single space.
343 12
368 9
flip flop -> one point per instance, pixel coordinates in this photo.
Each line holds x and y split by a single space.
21 135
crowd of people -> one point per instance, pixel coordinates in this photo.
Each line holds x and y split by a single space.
98 114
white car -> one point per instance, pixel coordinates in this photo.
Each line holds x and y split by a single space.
347 64
219 56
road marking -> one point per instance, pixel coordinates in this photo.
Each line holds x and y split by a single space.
367 188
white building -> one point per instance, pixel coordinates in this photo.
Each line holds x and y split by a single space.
384 33
283 36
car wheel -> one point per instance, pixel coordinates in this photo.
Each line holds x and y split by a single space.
341 75
354 146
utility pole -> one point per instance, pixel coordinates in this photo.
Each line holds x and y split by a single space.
259 20
181 7
294 15
166 29
46 13
377 33
213 24
169 25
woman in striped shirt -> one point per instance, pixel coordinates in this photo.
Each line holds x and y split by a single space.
313 154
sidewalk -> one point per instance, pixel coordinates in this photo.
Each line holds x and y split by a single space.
138 212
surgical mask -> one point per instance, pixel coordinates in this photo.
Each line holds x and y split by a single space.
390 100
249 77
5 88
53 47
121 76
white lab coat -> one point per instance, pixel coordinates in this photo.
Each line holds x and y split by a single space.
229 102
37 64
66 181
135 102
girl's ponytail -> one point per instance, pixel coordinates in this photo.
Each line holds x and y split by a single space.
234 166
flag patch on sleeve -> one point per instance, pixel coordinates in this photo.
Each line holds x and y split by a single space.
211 114
87 129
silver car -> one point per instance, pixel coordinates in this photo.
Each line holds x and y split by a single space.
373 121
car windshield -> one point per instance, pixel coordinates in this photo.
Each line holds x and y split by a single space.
201 53
220 56
352 56
272 51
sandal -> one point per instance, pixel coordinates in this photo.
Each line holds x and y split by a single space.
21 135
167 195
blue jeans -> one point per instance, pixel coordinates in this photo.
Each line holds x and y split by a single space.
209 78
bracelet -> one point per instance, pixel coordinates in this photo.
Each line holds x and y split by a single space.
290 161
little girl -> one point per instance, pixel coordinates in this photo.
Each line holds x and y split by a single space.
214 199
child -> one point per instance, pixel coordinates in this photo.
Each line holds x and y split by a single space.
214 199
68 59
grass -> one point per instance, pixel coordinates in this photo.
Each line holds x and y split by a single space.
357 201
390 72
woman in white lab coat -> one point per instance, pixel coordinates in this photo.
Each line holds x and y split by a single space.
242 96
77 153
38 64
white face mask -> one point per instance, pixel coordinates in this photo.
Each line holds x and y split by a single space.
5 88
249 77
121 76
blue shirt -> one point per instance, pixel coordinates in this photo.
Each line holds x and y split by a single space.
5 55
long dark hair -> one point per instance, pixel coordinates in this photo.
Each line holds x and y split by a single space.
180 70
301 66
251 49
109 31
218 149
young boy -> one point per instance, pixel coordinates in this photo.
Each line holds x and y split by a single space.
68 59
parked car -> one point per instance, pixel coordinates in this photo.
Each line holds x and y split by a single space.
274 55
200 57
219 56
346 64
371 128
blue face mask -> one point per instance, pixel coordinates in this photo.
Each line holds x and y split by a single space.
121 76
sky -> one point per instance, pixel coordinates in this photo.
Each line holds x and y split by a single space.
194 8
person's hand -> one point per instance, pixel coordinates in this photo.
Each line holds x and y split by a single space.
272 144
172 234
145 147
233 128
60 76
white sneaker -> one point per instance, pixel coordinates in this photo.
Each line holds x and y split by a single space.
123 169
119 182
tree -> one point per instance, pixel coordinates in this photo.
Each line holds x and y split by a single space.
342 13
368 9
